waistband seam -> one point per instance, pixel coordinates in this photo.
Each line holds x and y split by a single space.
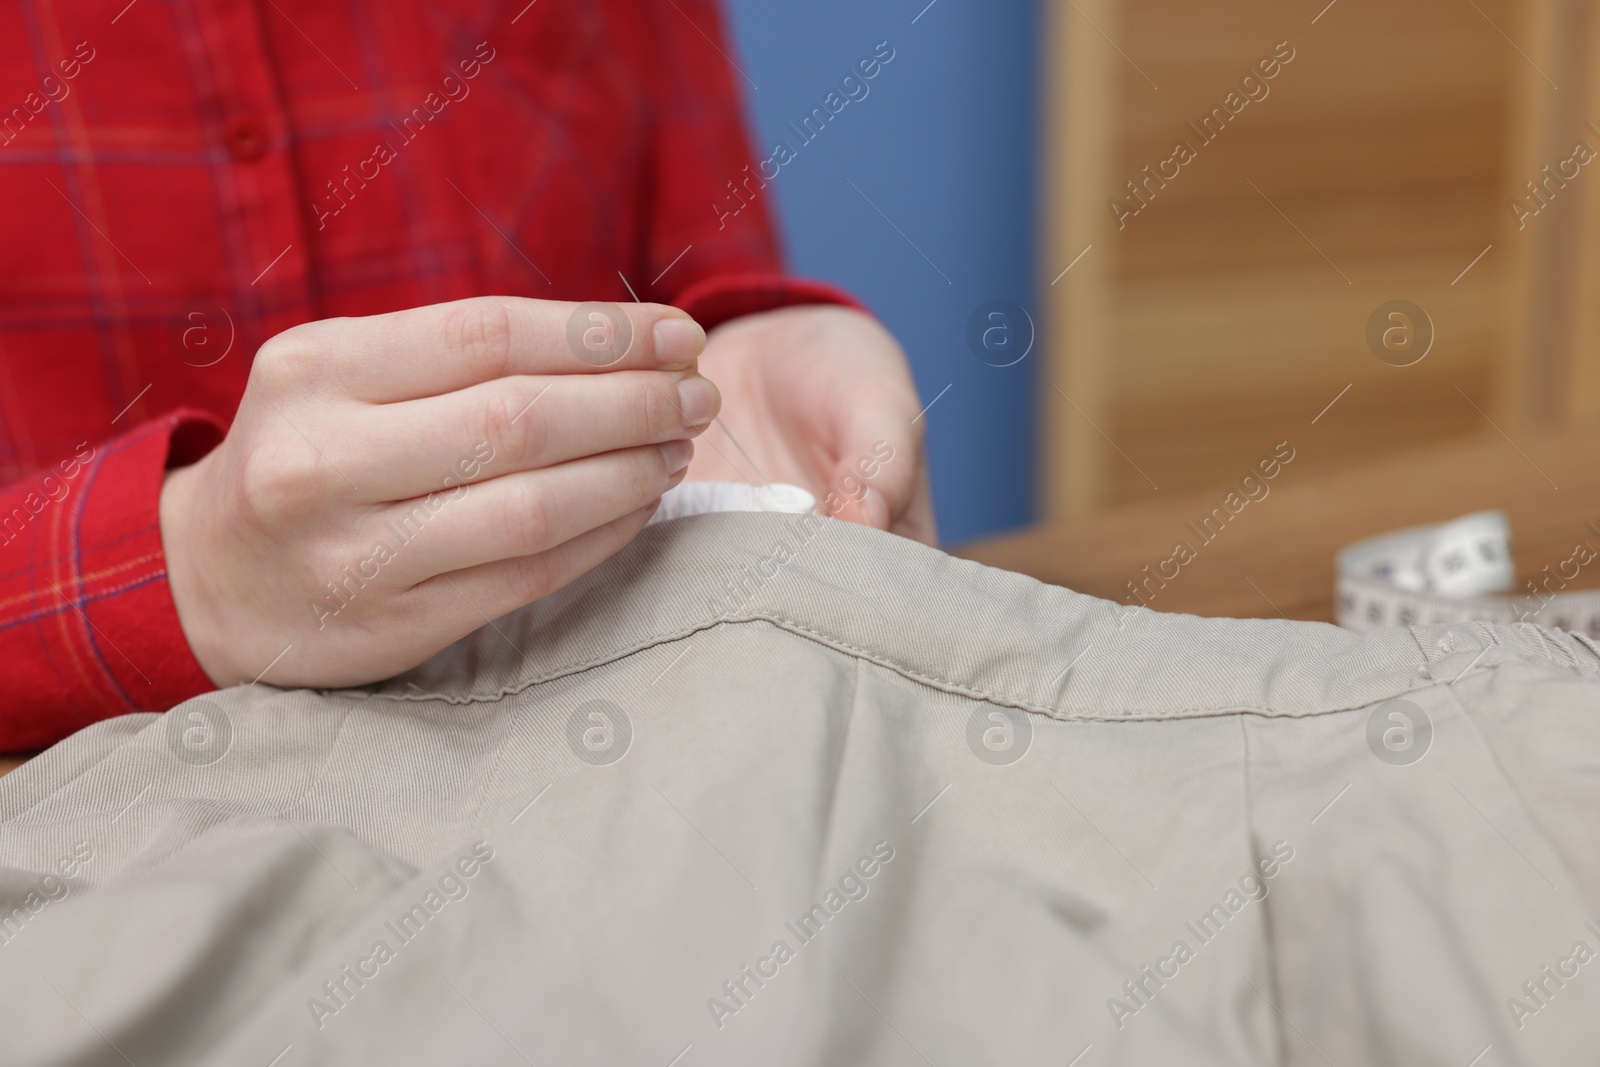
844 647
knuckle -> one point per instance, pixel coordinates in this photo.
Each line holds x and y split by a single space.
412 614
281 484
658 413
531 578
646 474
404 621
292 355
321 560
508 422
480 330
527 517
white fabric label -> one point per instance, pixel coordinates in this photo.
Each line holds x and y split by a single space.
700 498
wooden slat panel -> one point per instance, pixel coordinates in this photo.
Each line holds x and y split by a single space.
1301 324
1183 444
1384 144
1080 114
1553 321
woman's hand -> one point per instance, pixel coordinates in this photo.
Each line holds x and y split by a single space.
813 394
392 483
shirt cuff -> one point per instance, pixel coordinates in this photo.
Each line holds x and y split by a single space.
99 610
716 300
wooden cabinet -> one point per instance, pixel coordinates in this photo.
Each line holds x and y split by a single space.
1239 185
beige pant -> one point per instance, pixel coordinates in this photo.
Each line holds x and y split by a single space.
784 791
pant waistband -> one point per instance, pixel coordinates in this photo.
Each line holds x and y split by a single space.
961 627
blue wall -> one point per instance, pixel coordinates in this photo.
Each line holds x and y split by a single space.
944 145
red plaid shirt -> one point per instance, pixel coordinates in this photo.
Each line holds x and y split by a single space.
182 179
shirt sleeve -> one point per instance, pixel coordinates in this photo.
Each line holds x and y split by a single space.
711 247
88 629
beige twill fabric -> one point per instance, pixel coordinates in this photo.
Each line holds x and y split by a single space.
779 790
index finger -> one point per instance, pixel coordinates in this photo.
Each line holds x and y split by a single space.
440 348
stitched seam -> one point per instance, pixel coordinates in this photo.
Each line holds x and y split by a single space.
1421 649
1589 644
837 644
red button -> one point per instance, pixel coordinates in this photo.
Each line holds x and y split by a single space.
246 139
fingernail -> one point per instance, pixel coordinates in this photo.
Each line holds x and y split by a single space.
678 341
875 509
699 400
676 455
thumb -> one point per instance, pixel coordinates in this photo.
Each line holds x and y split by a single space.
854 500
874 485
879 452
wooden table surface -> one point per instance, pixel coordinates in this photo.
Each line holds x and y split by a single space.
1277 554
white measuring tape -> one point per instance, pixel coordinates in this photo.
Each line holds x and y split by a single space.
1451 572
